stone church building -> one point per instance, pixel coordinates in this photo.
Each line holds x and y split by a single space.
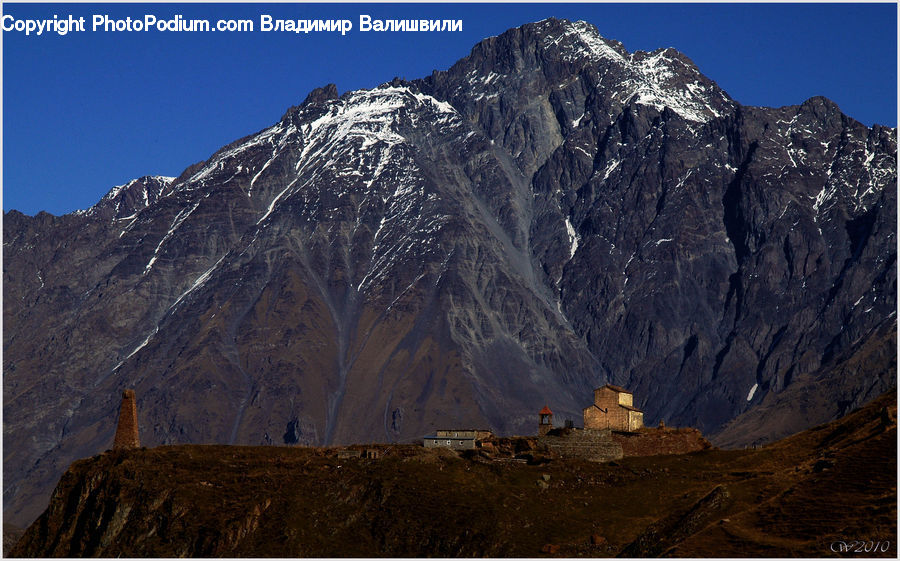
613 409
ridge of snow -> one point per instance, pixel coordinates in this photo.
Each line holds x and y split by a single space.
353 138
368 115
595 44
648 77
613 164
360 121
136 349
200 281
356 146
114 192
179 219
217 161
117 190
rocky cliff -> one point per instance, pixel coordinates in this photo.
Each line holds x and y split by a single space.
549 214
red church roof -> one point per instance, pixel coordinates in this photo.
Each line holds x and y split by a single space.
545 411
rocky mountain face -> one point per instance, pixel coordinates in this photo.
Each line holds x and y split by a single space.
549 214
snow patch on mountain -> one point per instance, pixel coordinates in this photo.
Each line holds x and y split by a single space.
752 392
354 150
653 86
147 190
179 219
219 159
369 116
574 238
651 79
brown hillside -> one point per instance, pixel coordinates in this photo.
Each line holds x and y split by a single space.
793 498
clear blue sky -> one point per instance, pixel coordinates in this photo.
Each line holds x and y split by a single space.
87 111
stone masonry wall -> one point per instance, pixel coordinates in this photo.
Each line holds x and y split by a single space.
594 445
615 418
127 430
657 441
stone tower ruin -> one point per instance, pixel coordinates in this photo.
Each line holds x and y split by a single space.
127 431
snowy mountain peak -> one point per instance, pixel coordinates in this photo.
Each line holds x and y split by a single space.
123 201
560 55
592 42
324 130
663 78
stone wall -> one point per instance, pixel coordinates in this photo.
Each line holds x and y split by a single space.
635 420
615 417
594 445
452 443
127 429
657 441
478 434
